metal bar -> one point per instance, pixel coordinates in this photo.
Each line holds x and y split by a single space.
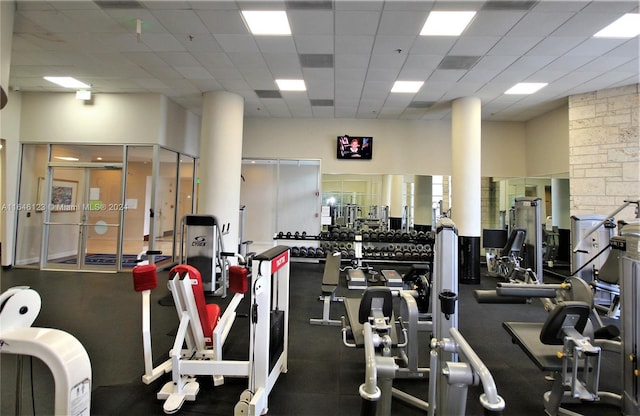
490 399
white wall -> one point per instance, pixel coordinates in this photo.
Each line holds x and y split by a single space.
399 146
111 118
503 149
547 143
181 129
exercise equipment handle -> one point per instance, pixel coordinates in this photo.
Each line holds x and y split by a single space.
369 390
404 333
345 329
489 399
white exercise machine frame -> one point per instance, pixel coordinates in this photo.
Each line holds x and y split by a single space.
63 354
272 266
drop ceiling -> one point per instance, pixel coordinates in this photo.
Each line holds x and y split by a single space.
349 54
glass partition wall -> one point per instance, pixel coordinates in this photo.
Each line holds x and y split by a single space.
279 195
97 207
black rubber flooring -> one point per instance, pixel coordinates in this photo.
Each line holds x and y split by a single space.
103 312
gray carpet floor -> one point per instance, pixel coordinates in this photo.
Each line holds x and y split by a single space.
103 312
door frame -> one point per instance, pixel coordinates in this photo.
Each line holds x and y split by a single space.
86 167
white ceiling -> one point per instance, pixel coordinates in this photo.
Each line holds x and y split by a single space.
190 47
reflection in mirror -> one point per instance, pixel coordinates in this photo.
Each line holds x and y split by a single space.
380 201
359 198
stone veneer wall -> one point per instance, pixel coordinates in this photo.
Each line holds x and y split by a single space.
604 151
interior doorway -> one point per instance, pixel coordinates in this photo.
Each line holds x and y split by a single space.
83 221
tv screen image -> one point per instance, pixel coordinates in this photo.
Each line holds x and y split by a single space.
355 147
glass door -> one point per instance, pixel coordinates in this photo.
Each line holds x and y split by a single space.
83 212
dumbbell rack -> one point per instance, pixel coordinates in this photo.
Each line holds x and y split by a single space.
377 247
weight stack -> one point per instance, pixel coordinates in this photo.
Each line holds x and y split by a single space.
469 260
276 339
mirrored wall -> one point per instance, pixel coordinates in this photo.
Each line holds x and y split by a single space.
367 192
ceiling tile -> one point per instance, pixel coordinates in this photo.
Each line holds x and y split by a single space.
276 44
595 47
237 43
493 23
473 45
401 23
223 22
516 45
353 44
356 23
314 43
304 22
181 21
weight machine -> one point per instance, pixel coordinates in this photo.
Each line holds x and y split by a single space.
527 215
593 259
567 345
453 364
201 246
629 247
197 349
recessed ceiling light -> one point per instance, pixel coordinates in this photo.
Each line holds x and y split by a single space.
291 85
626 26
267 22
67 82
441 23
407 86
525 88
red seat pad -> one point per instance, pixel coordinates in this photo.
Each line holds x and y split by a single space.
238 279
209 314
145 277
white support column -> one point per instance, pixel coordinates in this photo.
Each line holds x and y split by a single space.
396 202
560 210
466 175
423 200
221 161
386 190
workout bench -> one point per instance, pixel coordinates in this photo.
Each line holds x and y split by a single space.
559 345
330 280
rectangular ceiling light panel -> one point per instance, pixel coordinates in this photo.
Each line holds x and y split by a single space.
291 85
267 22
628 26
525 88
407 86
445 23
67 82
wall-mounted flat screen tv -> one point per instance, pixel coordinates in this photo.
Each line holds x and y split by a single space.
355 147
